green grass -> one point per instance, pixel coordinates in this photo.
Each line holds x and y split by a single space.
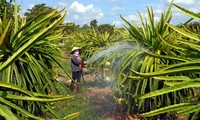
78 104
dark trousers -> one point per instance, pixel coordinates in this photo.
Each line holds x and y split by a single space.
76 76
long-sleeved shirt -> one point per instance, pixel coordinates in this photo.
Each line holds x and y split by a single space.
75 62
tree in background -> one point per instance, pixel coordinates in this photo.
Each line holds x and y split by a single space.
93 23
195 26
105 28
8 6
70 28
85 27
37 9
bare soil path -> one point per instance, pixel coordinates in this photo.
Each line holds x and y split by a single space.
101 96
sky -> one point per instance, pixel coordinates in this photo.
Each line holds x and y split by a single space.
108 11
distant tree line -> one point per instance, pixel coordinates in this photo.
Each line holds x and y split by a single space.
69 27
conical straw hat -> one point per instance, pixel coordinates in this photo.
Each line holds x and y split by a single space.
75 48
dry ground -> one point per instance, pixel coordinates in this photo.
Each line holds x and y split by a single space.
100 95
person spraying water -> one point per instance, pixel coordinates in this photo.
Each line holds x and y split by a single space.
77 67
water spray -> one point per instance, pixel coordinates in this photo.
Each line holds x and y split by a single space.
116 47
115 63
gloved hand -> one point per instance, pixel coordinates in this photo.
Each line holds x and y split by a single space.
84 62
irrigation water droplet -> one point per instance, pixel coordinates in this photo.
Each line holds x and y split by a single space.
114 63
116 47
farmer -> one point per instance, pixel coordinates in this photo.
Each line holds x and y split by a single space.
76 66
